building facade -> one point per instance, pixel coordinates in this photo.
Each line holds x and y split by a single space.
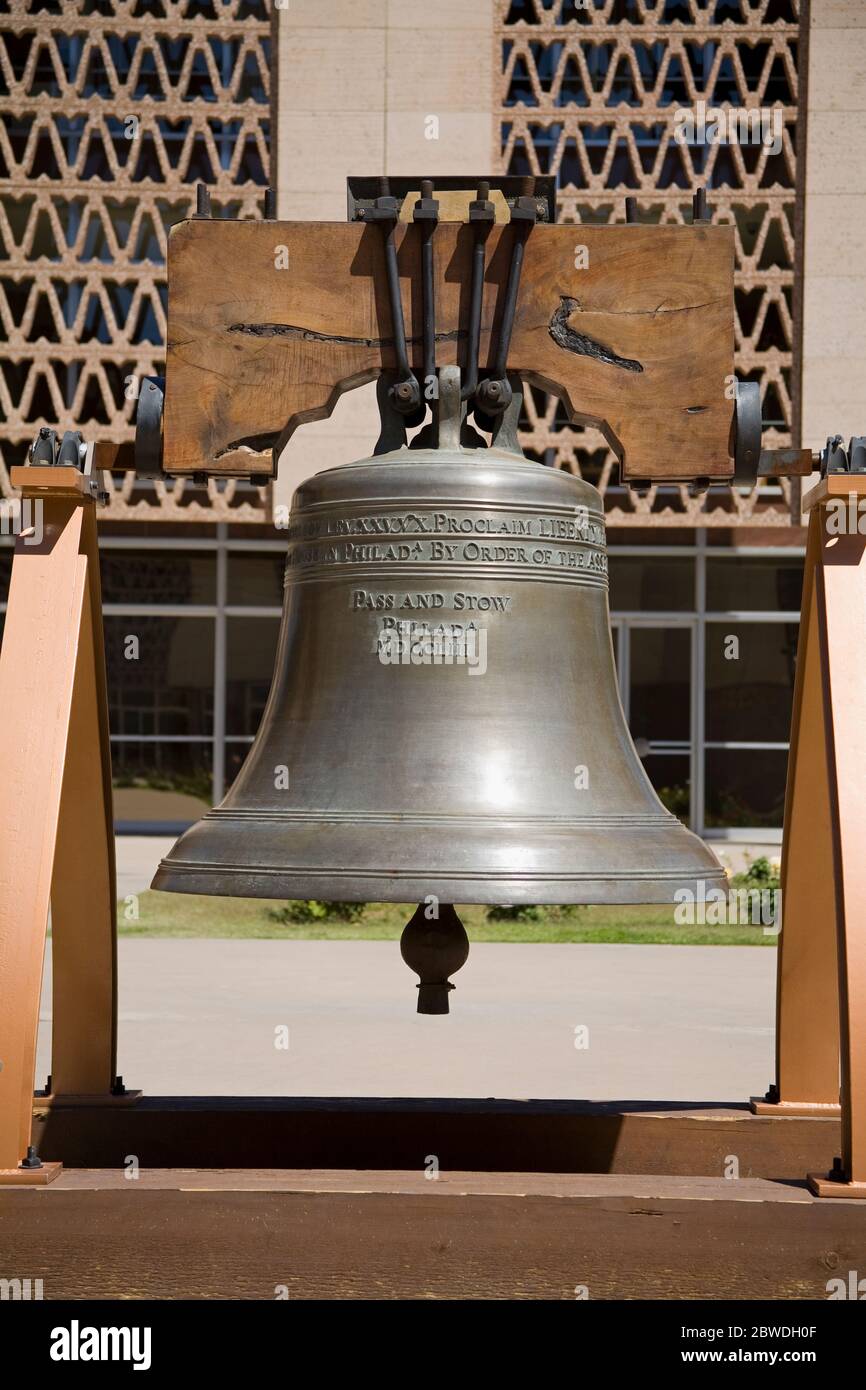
705 590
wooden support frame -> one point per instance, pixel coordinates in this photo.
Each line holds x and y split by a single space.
807 989
821 1002
57 845
56 831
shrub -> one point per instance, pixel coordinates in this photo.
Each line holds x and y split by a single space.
676 799
519 912
759 874
312 910
761 879
528 912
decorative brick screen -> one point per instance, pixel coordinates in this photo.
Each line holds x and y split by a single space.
110 112
590 92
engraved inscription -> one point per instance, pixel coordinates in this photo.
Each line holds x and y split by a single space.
404 642
366 601
582 527
560 544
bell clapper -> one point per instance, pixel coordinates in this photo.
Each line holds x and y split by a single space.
434 947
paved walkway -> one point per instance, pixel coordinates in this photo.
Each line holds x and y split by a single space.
664 1022
137 858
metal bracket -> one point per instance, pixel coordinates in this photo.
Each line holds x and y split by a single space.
787 463
405 393
426 215
505 434
701 216
481 218
70 452
494 393
452 408
362 192
747 433
148 427
392 425
835 458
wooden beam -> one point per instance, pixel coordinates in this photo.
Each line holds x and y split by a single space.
268 323
361 1235
533 1136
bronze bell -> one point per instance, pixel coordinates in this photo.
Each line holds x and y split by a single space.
444 723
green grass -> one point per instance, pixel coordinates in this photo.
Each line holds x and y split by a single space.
184 915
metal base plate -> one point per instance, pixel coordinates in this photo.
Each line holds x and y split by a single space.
825 1185
813 1110
41 1101
30 1177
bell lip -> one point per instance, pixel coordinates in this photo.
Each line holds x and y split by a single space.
351 886
577 861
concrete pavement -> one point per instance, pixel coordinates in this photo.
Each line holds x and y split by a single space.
663 1022
137 858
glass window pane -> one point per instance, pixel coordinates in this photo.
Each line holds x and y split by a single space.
750 681
160 675
660 672
670 774
760 585
236 751
745 787
157 576
5 572
251 645
256 579
640 584
161 781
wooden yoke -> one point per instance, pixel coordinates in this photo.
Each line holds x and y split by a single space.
269 322
56 833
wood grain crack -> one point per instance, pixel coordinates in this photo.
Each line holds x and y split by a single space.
312 335
255 443
580 343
